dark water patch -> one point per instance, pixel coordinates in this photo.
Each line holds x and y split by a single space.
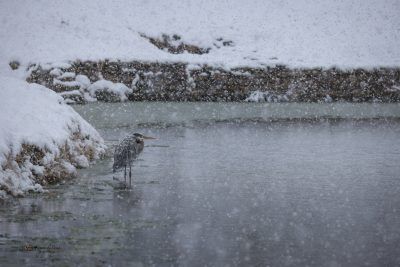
38 216
157 146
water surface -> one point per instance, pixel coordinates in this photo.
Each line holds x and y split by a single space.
239 188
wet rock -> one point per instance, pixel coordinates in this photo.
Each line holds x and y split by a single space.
105 96
14 65
74 97
173 45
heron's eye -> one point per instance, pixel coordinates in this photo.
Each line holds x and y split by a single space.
138 141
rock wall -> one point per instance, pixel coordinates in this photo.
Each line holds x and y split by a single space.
154 81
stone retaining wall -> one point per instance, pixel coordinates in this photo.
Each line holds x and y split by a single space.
152 81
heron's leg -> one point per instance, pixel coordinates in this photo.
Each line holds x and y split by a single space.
126 163
125 174
130 171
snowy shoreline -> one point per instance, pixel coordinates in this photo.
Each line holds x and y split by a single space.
42 139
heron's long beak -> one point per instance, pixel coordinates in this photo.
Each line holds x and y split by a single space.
148 137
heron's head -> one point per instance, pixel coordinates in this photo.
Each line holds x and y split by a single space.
142 137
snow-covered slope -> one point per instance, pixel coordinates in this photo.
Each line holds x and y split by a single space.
303 33
41 138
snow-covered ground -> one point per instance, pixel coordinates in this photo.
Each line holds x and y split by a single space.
41 137
303 33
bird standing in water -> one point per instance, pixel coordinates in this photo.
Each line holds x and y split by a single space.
127 151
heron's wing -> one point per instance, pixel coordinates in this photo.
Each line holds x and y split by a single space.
120 156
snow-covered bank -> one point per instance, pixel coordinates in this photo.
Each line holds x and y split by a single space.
302 33
42 139
306 50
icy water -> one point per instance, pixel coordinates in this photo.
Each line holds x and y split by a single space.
224 185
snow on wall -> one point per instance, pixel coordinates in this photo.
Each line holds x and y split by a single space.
88 91
40 136
303 33
119 89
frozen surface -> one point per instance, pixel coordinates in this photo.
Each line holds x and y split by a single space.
305 33
286 193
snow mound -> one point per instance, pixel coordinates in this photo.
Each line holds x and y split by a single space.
42 139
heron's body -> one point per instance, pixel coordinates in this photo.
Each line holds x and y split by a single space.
127 151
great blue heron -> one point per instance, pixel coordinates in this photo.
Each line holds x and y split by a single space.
128 150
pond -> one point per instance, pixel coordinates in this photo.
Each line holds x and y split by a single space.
224 184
